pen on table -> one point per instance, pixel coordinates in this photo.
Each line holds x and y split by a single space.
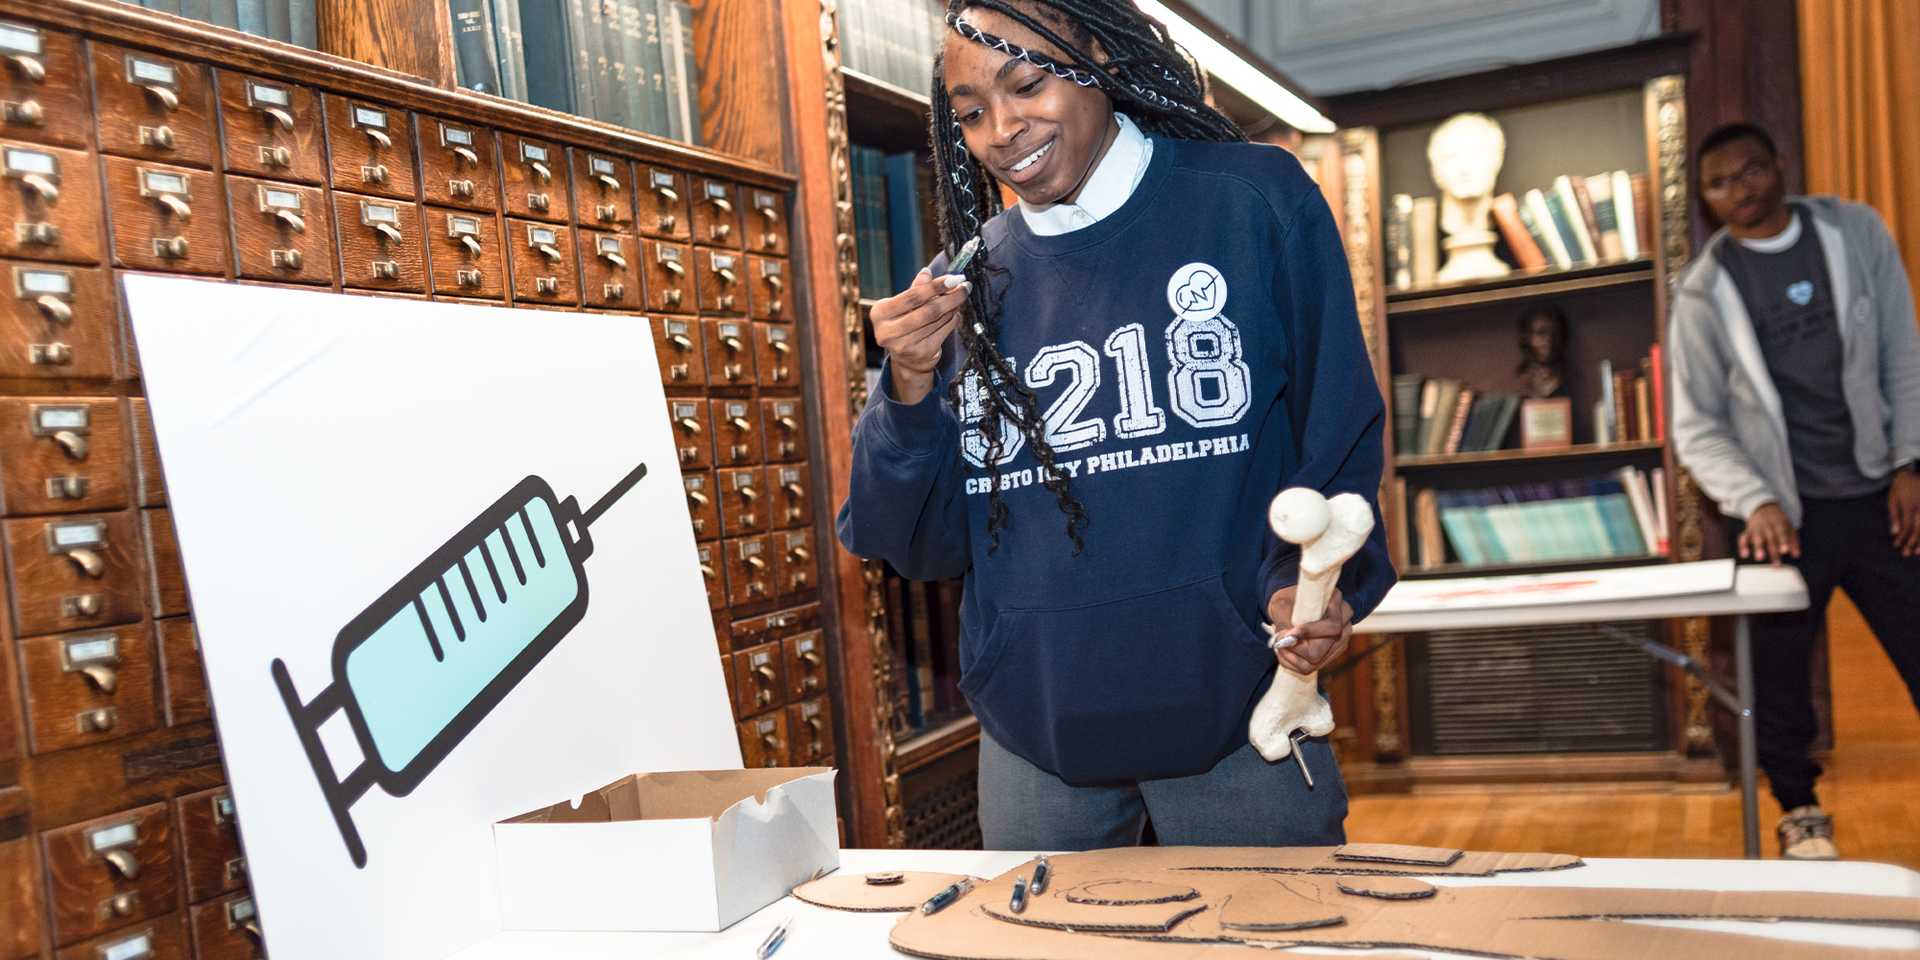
945 898
774 940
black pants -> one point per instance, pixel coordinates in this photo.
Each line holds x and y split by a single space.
1846 544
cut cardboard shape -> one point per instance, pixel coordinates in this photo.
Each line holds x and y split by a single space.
1398 853
1277 904
690 851
856 893
1121 893
1122 862
1386 888
1493 921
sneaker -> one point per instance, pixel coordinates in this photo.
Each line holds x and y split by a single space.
1806 833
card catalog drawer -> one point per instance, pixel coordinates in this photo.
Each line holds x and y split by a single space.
543 263
778 356
730 353
166 218
146 454
283 229
182 678
749 570
21 919
715 218
792 503
372 148
743 501
736 438
534 179
793 562
713 568
763 741
810 728
605 187
609 277
43 87
159 939
806 656
766 221
227 929
73 572
210 843
153 107
767 289
50 205
786 429
166 580
718 280
382 246
760 677
59 321
664 268
61 455
663 203
678 346
692 431
465 252
456 165
88 687
107 873
703 504
273 128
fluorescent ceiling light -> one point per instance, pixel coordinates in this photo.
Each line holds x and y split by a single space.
1231 69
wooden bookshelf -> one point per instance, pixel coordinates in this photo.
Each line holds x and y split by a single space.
1519 286
1583 451
936 741
884 116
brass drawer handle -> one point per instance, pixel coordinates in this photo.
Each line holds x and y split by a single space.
292 220
697 498
175 205
674 267
541 170
772 215
377 173
103 677
56 309
788 424
740 424
550 252
748 494
707 571
472 245
29 67
614 258
390 232
810 658
721 203
781 347
799 492
47 189
380 140
757 564
680 341
775 281
279 116
608 180
467 156
75 444
89 562
726 276
168 100
26 112
801 554
123 863
669 195
733 344
690 425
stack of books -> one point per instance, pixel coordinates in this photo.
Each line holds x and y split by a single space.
1439 415
1577 221
1632 404
288 21
1619 516
626 62
892 232
893 40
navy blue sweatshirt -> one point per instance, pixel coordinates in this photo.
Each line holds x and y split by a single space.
1194 353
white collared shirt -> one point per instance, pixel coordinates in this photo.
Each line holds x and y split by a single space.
1109 185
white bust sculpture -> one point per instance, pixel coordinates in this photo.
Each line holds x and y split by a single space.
1465 153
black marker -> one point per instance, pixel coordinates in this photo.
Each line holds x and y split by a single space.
945 898
1019 902
1039 885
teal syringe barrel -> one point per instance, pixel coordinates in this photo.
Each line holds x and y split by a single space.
424 663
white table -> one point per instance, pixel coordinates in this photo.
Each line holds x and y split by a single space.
821 934
1756 589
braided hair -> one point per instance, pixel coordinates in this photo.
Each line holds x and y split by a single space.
1158 86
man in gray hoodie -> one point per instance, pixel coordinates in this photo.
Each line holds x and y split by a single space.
1796 406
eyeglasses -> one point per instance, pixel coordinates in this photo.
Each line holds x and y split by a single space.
1749 175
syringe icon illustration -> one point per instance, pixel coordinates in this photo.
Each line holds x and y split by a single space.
421 666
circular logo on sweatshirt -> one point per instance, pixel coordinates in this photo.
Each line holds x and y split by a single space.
1197 292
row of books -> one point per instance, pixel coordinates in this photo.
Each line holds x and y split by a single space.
1632 404
1619 516
289 21
626 62
1578 221
893 40
891 229
924 632
1443 415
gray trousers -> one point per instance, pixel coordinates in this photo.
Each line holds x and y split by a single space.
1243 801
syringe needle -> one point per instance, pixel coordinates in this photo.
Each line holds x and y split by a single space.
619 489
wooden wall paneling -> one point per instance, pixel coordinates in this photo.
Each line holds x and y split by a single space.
734 43
826 271
411 36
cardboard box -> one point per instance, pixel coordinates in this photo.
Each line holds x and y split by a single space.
667 851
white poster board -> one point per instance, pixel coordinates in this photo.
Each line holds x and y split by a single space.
1559 589
350 476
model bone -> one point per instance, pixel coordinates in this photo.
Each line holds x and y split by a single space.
1327 532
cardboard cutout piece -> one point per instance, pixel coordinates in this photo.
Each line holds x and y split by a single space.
873 893
1398 853
1386 888
1321 860
1120 893
1246 905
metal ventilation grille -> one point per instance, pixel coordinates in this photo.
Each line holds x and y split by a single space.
1536 690
942 801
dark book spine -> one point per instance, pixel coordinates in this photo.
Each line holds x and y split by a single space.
580 47
903 220
474 67
548 58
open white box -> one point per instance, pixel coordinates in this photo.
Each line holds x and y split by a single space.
667 851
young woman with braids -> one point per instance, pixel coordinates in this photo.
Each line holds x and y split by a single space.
1090 420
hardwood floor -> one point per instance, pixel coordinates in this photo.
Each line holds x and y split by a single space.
1872 788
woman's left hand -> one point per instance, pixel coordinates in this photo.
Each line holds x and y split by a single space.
1318 643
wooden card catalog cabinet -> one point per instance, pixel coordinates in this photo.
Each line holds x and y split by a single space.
543 264
715 218
61 455
787 485
534 180
381 246
50 209
58 322
605 187
153 107
669 282
692 431
88 687
166 217
372 148
73 571
457 165
110 872
43 96
283 231
273 129
610 278
663 204
466 254
767 222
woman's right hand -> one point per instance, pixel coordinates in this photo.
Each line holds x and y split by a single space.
913 326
